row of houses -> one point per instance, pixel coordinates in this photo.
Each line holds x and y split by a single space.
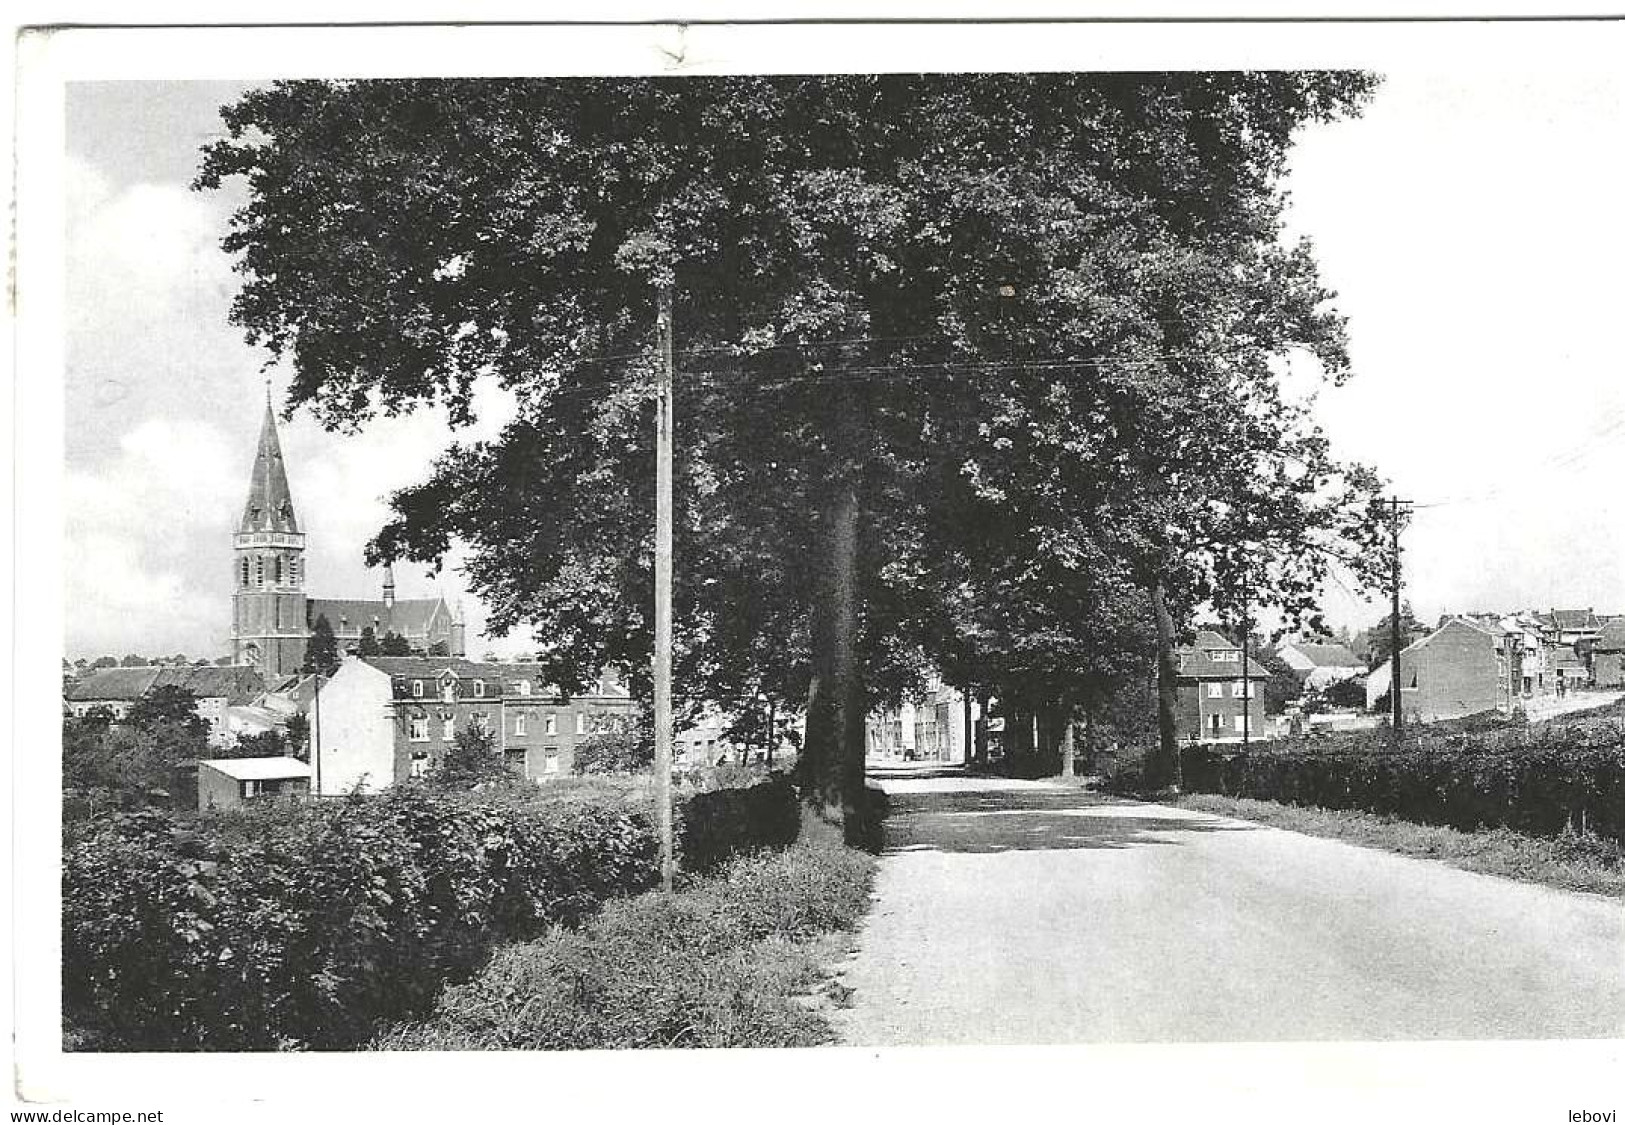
1482 662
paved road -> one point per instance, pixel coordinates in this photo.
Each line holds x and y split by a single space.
1026 912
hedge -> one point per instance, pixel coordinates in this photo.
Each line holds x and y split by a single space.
309 925
717 825
1537 780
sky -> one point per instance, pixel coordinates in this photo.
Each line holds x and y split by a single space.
1469 223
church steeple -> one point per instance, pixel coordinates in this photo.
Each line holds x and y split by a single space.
269 630
270 503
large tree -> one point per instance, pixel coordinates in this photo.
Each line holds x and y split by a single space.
909 310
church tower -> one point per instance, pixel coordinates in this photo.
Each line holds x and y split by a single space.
269 630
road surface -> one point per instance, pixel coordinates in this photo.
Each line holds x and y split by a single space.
1029 912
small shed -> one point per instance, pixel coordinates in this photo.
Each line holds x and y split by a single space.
224 783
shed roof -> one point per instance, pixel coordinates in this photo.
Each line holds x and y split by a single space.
258 769
1329 656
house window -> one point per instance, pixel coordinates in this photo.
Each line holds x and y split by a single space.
420 729
1215 690
276 570
1226 657
479 689
551 763
251 789
550 725
259 572
448 690
417 689
420 763
581 722
1240 721
245 572
448 729
524 687
1238 689
519 723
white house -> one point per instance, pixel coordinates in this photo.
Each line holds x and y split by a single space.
1320 665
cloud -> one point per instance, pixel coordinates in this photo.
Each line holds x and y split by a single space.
139 574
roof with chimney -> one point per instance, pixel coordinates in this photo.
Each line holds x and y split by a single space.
270 502
1568 620
402 670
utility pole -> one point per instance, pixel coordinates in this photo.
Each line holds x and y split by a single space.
316 731
1394 633
662 653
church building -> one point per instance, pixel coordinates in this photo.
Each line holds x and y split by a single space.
272 616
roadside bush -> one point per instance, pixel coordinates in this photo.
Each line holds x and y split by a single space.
308 925
1536 779
716 825
718 964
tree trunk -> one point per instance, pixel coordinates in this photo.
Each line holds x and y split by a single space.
1163 769
1067 758
831 766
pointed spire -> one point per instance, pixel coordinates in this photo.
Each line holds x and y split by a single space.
270 504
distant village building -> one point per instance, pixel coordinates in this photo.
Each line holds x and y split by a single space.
1216 704
230 782
271 614
1320 665
1608 656
929 726
218 690
380 720
1453 671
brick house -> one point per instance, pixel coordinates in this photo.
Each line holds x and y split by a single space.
1455 670
383 719
1213 695
1608 656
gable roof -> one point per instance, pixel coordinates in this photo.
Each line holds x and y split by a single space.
1612 638
122 684
1329 656
1571 619
235 683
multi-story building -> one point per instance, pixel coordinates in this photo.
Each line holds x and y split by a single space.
1608 655
1218 701
272 616
1460 668
383 719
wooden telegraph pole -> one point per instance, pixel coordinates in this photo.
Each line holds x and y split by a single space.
662 653
1394 632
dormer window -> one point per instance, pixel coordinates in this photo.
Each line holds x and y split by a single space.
417 689
479 689
448 689
524 687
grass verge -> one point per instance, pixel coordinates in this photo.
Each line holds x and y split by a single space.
734 959
1572 861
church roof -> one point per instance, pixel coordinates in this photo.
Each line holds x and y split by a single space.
270 503
410 617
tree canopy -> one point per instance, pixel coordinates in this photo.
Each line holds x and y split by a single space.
974 370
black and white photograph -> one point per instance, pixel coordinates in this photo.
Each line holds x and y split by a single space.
708 555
